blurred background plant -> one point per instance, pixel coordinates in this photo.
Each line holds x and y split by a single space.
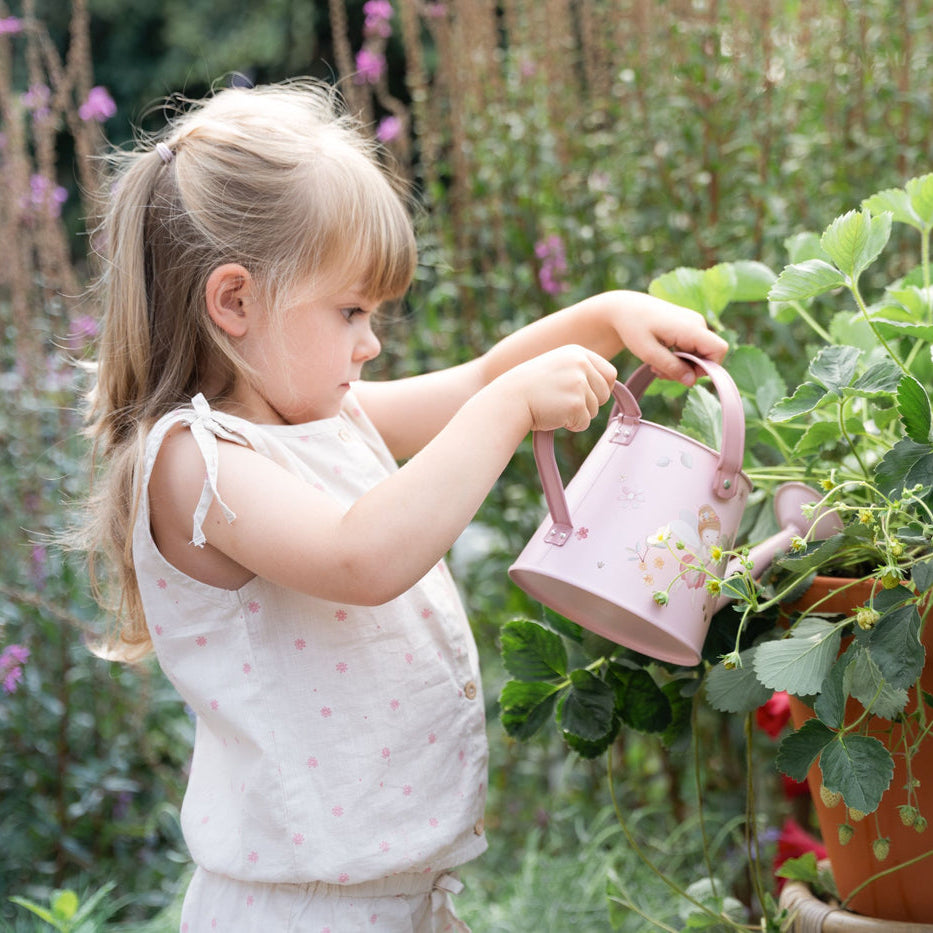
558 148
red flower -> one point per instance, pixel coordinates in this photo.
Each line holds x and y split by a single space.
774 715
793 842
794 788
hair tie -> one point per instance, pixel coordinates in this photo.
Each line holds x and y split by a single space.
165 154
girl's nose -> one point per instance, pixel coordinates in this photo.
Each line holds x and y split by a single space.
368 346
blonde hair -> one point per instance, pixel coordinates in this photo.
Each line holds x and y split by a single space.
279 179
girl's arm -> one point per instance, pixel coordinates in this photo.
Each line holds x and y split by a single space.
292 534
409 412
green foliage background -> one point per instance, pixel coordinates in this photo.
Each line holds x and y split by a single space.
646 136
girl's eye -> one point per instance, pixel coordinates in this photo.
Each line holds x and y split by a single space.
350 313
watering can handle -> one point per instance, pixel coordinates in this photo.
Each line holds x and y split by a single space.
628 415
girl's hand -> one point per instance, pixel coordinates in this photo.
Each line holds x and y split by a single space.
563 388
651 328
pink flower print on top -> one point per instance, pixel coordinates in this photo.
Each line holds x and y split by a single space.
343 877
312 762
341 615
158 630
386 754
432 738
342 667
337 811
300 644
384 846
394 705
406 790
200 641
582 533
161 584
298 839
247 668
427 613
326 712
253 606
253 857
409 658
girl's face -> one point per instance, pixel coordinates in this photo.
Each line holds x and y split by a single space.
305 358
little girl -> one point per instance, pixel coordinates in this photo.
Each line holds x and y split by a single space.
287 573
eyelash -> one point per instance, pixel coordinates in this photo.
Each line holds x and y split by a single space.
350 313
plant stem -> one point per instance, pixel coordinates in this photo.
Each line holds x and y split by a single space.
853 286
809 319
885 873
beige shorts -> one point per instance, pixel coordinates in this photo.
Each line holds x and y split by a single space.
399 904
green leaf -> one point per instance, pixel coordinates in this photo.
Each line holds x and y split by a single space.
819 436
588 707
737 690
895 202
800 869
682 286
880 378
864 681
817 555
702 417
896 647
830 705
756 377
906 464
803 246
855 240
806 280
834 367
42 912
920 192
639 701
753 280
681 711
588 749
800 663
526 707
798 750
913 405
805 398
532 652
64 904
921 575
860 768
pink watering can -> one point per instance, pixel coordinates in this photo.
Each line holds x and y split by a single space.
627 548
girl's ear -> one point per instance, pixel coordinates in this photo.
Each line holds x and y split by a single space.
229 295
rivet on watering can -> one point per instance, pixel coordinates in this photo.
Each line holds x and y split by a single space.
727 484
627 432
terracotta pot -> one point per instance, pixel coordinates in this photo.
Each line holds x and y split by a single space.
809 914
905 895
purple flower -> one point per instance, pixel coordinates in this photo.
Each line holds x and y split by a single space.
553 264
10 25
37 100
44 195
11 666
99 105
389 128
83 329
378 13
370 67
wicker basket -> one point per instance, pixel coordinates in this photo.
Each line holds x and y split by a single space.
811 915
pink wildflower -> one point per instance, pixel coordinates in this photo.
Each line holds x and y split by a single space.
37 100
378 13
10 25
370 67
44 195
11 666
99 105
553 264
389 128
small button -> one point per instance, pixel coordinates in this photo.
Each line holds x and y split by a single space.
343 434
470 690
479 827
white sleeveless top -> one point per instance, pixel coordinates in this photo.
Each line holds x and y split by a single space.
334 743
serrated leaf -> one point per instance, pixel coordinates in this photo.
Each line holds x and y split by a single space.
855 240
588 749
906 464
753 280
798 750
920 193
640 702
532 652
913 405
881 378
818 436
892 329
860 768
800 663
864 682
922 575
681 710
702 417
895 202
806 280
834 367
806 397
800 869
526 707
588 707
830 705
682 286
816 554
757 377
896 647
803 246
738 690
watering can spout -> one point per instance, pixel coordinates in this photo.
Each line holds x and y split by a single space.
789 501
